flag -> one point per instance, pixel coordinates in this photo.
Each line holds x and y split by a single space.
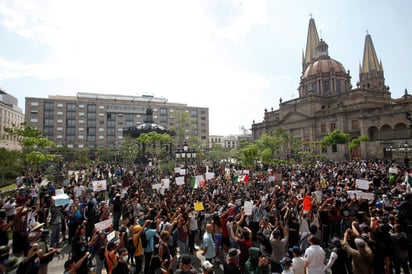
192 181
235 179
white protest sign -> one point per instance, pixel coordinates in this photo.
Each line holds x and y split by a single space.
368 196
156 186
318 196
180 180
61 200
182 171
165 183
246 171
271 178
59 191
393 170
210 175
103 224
177 170
248 207
362 184
99 185
237 173
111 236
352 193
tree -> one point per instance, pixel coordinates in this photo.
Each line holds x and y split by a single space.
355 142
183 125
35 147
129 150
10 165
335 137
156 145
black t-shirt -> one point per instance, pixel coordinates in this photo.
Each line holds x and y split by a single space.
117 205
120 268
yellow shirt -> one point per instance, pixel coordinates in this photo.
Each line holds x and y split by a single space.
138 244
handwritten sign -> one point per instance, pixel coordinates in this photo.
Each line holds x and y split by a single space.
99 185
165 183
248 208
103 224
210 175
111 236
198 206
180 180
362 184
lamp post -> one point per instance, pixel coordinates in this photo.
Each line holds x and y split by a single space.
185 154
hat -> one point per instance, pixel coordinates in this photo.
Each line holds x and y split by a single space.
295 249
360 243
207 266
185 259
233 252
36 225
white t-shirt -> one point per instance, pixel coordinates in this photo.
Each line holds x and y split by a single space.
315 256
298 265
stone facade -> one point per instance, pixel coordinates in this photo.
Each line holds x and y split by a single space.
327 101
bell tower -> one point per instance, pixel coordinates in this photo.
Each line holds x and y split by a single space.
371 75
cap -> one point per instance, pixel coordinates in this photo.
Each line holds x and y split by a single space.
233 252
295 249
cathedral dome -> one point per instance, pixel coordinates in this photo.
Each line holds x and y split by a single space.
323 65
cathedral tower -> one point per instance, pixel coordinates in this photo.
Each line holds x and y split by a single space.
371 71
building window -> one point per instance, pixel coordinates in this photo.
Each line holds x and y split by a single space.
34 120
34 104
34 111
355 124
334 148
59 121
48 122
323 128
91 115
91 108
70 130
59 105
332 126
70 107
326 87
60 113
70 122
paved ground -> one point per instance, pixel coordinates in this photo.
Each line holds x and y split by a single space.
57 265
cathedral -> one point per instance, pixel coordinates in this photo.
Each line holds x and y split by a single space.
327 101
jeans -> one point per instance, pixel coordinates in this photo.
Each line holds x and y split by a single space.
55 235
182 247
99 264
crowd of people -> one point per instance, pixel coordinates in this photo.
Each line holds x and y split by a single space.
283 219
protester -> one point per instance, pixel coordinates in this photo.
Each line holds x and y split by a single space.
362 256
314 257
121 266
232 264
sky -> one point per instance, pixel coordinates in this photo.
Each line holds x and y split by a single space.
235 57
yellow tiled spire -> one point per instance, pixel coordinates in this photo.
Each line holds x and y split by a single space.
370 59
311 43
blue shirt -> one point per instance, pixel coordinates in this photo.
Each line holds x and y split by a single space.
210 244
150 238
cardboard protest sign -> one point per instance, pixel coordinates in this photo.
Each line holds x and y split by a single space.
198 206
248 208
103 224
61 200
362 184
99 185
180 180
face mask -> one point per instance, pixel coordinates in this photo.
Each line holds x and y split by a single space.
124 258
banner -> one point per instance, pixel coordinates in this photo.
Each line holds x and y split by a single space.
99 185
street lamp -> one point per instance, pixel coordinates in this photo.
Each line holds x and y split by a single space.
185 153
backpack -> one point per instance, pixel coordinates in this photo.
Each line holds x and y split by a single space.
143 237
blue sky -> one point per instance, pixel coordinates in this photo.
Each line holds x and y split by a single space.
234 57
